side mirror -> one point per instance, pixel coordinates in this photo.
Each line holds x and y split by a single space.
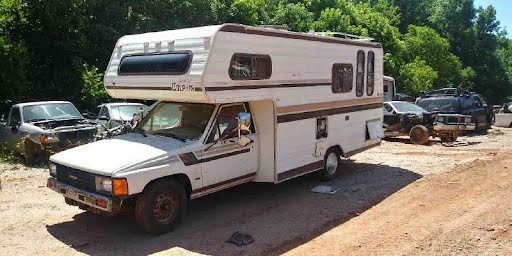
14 127
103 118
244 122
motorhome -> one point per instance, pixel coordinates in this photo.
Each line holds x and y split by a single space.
236 104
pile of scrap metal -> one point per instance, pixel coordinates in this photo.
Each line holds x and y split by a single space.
404 118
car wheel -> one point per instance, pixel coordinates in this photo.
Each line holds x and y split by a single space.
419 135
161 207
332 163
449 137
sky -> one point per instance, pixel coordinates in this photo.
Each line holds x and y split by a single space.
503 12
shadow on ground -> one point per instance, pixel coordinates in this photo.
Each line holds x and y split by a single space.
279 217
433 142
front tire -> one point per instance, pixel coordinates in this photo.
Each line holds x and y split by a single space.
332 163
160 208
419 135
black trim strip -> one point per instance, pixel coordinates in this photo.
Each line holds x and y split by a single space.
359 150
223 183
268 86
191 159
300 170
276 33
325 112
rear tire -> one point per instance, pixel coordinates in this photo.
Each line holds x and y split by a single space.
449 137
160 208
332 163
419 135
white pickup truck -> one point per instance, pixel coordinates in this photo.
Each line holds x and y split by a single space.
236 105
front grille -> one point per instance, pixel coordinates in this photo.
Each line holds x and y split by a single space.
76 178
76 137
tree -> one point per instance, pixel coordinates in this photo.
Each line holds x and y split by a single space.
295 16
93 91
416 76
429 46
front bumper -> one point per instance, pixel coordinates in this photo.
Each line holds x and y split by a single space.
107 204
454 127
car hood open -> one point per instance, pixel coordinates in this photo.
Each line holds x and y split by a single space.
108 156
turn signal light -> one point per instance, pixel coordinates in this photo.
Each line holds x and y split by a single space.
101 203
42 138
119 187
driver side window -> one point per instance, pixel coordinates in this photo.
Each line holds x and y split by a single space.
15 118
104 112
226 125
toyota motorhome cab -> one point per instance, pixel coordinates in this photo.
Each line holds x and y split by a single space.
236 104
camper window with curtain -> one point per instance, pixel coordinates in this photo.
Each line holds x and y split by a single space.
342 78
370 79
250 67
360 74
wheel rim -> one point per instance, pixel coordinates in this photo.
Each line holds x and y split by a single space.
331 164
165 206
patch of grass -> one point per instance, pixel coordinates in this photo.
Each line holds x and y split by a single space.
8 156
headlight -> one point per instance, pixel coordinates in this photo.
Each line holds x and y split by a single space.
104 184
116 186
53 169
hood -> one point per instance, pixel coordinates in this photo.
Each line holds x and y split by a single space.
105 157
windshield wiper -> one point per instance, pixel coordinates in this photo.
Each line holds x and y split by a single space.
174 136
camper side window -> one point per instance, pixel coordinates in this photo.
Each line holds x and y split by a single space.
342 75
370 79
360 74
250 67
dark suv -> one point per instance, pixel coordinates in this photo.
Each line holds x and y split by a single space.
465 103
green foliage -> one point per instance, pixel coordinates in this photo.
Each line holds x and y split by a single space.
425 43
53 49
93 91
295 16
416 76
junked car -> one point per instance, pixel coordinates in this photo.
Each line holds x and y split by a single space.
115 114
404 118
32 128
463 102
504 116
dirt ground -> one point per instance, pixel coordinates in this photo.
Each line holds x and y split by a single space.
396 199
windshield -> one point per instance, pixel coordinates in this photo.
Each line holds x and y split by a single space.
183 121
440 104
407 107
125 112
51 111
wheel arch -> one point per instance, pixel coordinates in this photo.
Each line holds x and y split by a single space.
180 177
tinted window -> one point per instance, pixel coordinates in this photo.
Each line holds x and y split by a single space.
175 63
370 79
250 67
342 78
360 74
440 104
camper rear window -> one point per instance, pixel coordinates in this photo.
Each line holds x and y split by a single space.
250 67
360 74
175 63
342 78
370 75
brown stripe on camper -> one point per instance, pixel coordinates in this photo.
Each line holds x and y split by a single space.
276 33
326 112
250 175
328 105
263 86
146 88
359 150
300 170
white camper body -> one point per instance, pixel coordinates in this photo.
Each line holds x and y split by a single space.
307 95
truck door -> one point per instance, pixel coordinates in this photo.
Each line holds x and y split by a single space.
12 131
223 159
